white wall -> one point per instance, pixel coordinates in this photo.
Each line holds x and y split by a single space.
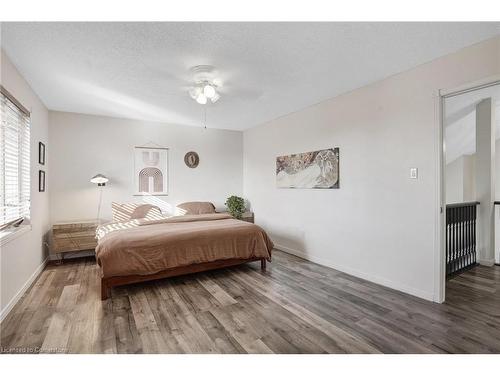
83 145
22 257
460 180
485 181
380 225
469 181
455 181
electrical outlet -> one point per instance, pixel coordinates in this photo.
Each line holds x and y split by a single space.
414 173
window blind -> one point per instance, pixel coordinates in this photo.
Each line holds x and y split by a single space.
14 161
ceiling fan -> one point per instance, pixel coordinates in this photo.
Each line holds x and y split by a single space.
205 86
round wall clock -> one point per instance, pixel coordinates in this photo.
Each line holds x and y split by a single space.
191 159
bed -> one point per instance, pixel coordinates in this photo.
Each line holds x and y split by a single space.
149 249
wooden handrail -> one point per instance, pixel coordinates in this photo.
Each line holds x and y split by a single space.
464 204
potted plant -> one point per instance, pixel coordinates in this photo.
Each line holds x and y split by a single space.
236 206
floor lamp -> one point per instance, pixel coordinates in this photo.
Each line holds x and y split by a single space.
100 180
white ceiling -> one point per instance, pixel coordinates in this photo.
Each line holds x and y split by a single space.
460 121
140 70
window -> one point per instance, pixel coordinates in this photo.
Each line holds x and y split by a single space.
14 160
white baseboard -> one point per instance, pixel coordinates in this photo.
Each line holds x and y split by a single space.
21 291
486 262
362 275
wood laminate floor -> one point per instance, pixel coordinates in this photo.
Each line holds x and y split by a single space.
294 307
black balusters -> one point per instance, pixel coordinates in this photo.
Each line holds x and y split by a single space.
460 236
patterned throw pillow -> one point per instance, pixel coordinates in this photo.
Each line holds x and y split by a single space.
131 211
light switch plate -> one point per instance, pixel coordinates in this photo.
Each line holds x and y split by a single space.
414 173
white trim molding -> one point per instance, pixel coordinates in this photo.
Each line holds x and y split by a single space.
471 86
6 310
11 234
357 273
486 262
440 209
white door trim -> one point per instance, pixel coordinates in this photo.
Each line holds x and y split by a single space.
440 240
440 223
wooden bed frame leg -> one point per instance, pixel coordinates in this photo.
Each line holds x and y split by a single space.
104 290
263 264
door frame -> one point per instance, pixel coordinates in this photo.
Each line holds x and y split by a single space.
440 254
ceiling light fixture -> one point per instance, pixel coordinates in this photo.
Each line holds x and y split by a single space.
204 91
205 85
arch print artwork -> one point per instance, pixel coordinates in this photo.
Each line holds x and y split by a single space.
150 171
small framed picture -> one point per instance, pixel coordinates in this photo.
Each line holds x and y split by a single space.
41 181
41 153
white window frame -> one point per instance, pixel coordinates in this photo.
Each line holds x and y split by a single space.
14 107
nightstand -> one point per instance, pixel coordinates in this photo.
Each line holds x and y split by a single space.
71 237
248 216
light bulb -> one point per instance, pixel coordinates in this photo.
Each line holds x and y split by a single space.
194 92
215 98
209 91
202 99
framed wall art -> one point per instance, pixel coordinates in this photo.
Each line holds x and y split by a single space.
41 181
41 153
309 170
191 159
150 170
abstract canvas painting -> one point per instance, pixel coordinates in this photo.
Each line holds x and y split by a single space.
150 171
309 170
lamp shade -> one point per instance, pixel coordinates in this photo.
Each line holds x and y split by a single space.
99 179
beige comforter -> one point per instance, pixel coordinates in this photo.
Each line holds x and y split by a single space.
142 247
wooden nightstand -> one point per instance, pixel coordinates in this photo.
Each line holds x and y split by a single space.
248 216
69 237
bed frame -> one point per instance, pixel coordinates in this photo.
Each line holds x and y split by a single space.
108 282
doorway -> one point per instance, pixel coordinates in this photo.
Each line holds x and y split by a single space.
469 170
